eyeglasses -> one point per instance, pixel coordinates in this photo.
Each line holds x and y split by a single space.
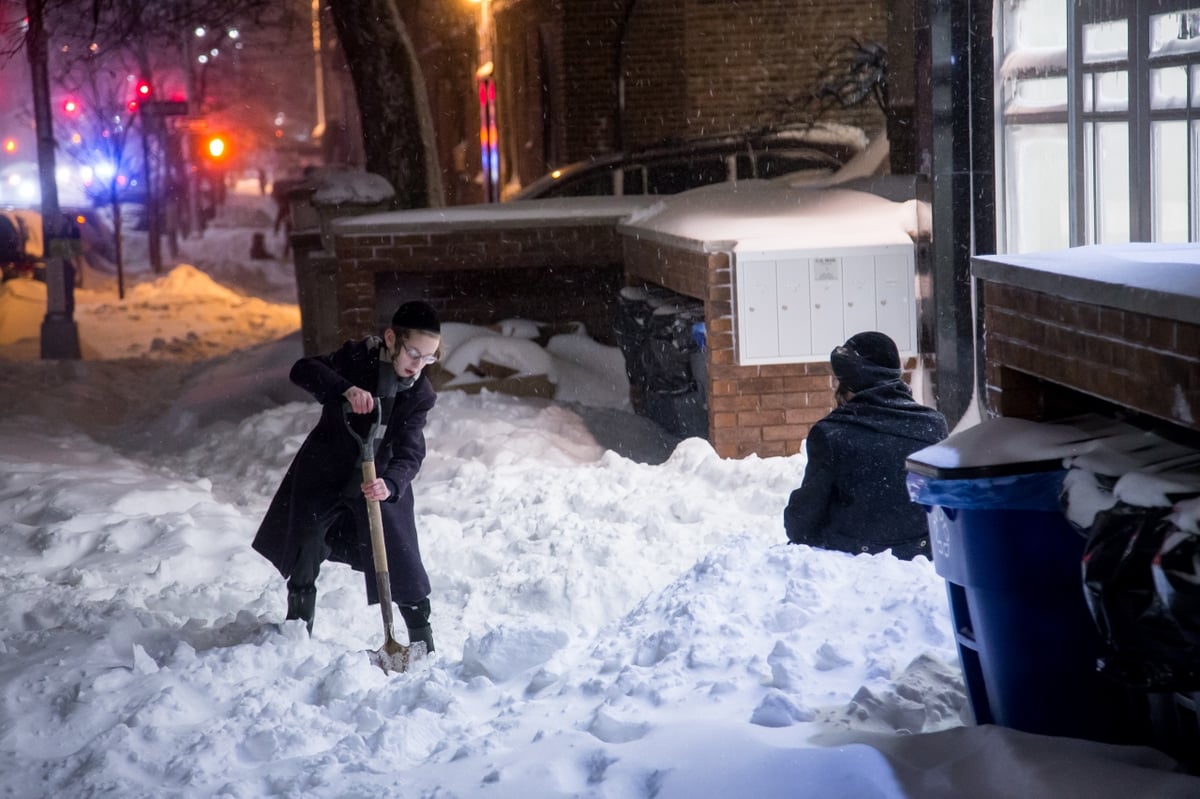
417 355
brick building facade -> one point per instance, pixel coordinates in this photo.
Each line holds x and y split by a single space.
764 410
590 76
1050 354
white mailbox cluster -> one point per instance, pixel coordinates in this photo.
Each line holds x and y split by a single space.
797 305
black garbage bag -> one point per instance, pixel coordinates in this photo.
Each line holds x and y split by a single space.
1176 575
632 328
666 354
1144 644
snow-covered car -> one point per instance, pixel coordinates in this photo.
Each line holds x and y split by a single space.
21 247
674 167
19 229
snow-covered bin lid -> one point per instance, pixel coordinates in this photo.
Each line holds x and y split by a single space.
1097 462
1009 446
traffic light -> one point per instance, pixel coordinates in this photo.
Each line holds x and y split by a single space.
71 106
215 147
10 146
141 93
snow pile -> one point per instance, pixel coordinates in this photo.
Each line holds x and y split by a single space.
605 627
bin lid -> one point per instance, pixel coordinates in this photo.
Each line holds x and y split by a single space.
1005 446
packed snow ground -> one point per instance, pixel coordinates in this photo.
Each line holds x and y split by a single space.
606 627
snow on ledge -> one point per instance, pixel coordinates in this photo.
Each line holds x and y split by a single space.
522 213
756 215
743 215
1154 279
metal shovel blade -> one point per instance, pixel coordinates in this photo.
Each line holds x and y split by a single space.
394 657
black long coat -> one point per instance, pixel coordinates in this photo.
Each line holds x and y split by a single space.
853 497
327 473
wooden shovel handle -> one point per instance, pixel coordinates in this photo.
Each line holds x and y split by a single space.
375 517
383 584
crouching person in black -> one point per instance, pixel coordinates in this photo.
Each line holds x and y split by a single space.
853 497
320 509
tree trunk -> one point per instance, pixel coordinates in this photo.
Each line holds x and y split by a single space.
397 125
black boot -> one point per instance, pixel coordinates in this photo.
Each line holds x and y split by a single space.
416 617
424 634
302 604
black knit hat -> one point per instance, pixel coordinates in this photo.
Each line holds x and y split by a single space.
417 315
866 360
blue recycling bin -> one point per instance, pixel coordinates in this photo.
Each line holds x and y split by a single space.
1012 565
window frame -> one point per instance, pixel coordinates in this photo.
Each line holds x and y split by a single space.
1086 210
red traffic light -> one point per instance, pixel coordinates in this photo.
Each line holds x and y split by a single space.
142 91
70 105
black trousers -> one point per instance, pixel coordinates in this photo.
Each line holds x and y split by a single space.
332 527
315 549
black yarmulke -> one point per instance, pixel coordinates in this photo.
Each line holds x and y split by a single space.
417 315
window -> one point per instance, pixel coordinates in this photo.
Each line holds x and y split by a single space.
783 162
633 180
674 176
1036 178
599 184
1099 137
1034 90
1172 185
1174 123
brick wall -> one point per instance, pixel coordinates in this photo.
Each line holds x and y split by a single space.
530 70
696 67
655 73
758 61
1043 352
561 273
589 43
445 43
762 410
574 273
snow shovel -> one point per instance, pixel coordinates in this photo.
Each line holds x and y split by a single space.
393 656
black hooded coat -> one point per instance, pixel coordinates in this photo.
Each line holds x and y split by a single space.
853 497
326 473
